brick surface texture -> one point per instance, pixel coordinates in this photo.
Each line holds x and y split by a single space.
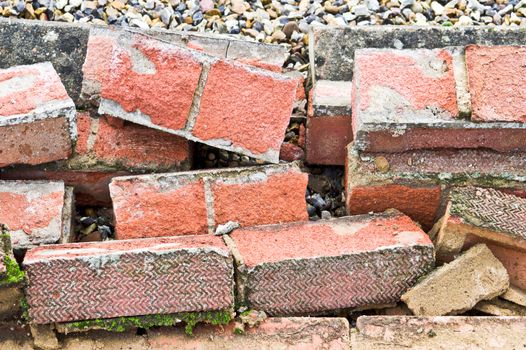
418 182
274 333
196 202
443 332
32 210
410 99
485 215
329 122
152 276
190 94
34 107
496 79
456 287
111 143
316 267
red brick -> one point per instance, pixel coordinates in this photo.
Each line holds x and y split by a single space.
268 196
308 333
290 152
33 211
315 267
417 182
91 187
154 78
188 93
329 128
479 215
108 142
34 108
196 202
327 138
412 101
153 276
159 205
420 203
234 109
496 80
443 332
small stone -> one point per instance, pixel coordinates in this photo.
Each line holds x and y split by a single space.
253 318
465 21
95 236
311 210
325 215
382 164
290 28
361 10
437 8
238 6
226 229
373 5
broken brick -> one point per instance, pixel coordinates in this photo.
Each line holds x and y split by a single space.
457 286
34 108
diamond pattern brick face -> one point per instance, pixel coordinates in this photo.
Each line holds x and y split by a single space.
68 283
491 209
311 268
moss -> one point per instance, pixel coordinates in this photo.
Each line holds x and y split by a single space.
24 305
120 324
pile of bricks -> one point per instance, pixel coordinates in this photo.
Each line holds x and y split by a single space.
434 176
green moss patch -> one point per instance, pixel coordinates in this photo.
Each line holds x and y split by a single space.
120 324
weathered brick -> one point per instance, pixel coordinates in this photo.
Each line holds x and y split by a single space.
150 276
307 333
188 93
237 115
443 332
456 287
315 267
107 143
148 81
410 99
417 183
34 107
484 215
34 211
90 187
332 49
329 122
496 80
196 202
515 295
500 307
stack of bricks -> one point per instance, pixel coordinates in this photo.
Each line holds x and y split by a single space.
144 100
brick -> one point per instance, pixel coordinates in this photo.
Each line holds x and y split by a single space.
332 49
417 182
196 202
329 122
307 333
515 295
307 268
34 211
443 332
496 78
150 276
250 128
105 145
203 89
484 215
34 107
393 114
290 152
90 186
456 287
499 307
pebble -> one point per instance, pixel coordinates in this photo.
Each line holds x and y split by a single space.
226 229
